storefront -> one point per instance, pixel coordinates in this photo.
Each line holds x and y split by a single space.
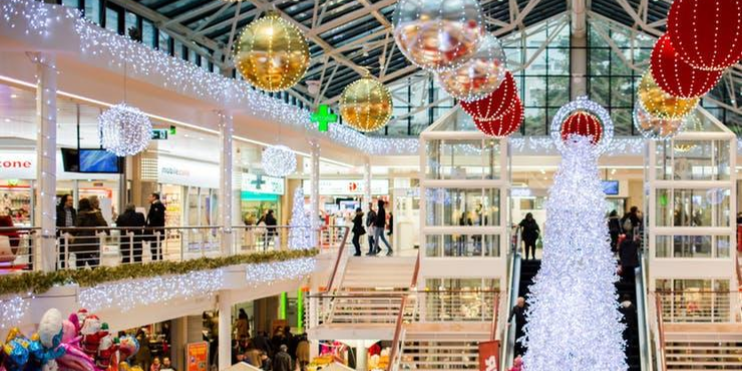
189 189
339 198
258 194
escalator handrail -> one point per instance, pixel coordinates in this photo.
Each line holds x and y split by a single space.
642 314
508 338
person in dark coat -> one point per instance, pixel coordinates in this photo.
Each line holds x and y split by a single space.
156 223
270 226
370 218
529 233
87 242
282 360
260 341
631 220
66 216
358 231
519 313
379 226
628 310
614 229
628 254
131 246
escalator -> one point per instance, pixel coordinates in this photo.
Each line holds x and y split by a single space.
626 287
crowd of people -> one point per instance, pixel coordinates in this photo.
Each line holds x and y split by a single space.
83 225
374 225
282 352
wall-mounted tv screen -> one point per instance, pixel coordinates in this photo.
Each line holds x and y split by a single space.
610 187
99 161
70 160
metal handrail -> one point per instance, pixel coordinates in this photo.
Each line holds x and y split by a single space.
495 315
514 280
660 332
396 352
341 250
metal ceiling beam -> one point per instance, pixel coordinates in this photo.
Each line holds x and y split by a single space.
195 12
337 22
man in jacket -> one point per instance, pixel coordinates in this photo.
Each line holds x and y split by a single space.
379 227
156 221
519 312
131 245
282 360
370 218
66 217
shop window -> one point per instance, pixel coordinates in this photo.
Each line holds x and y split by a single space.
694 300
462 245
92 11
459 299
693 207
463 159
463 207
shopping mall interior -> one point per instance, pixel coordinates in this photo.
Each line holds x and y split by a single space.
292 185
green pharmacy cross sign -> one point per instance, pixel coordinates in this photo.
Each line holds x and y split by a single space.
323 117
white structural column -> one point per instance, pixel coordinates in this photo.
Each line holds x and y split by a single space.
226 162
578 53
46 169
366 183
225 331
314 195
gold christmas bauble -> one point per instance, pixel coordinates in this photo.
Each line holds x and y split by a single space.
661 105
655 128
366 105
272 54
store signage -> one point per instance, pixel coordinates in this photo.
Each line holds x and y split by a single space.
197 356
488 355
334 187
187 172
159 134
263 184
521 193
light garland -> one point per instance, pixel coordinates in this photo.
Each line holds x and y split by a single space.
278 161
146 64
582 104
573 317
125 295
545 145
13 309
300 233
258 274
125 130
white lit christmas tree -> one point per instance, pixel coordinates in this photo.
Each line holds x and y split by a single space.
300 235
573 318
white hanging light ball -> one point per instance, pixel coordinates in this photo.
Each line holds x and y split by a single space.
125 130
478 77
278 161
436 34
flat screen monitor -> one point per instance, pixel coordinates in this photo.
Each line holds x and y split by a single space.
610 187
70 160
99 161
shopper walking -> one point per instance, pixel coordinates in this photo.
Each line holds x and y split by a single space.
243 326
131 246
379 228
529 233
282 360
167 365
614 229
261 342
87 241
628 253
519 312
302 352
370 218
631 220
156 224
270 226
358 231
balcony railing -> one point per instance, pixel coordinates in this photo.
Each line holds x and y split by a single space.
697 306
81 247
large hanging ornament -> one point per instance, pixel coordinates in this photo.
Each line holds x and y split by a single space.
278 161
478 77
584 124
706 34
436 34
366 104
584 105
677 78
125 130
655 128
272 54
505 125
660 104
496 104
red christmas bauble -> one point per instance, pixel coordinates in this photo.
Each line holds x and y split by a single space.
706 34
505 125
496 104
582 123
677 78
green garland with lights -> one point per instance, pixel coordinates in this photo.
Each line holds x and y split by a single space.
40 282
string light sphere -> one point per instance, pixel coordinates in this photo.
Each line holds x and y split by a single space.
677 78
691 123
272 53
505 125
437 35
478 77
124 130
582 104
651 127
366 104
584 124
278 161
496 104
706 34
659 104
